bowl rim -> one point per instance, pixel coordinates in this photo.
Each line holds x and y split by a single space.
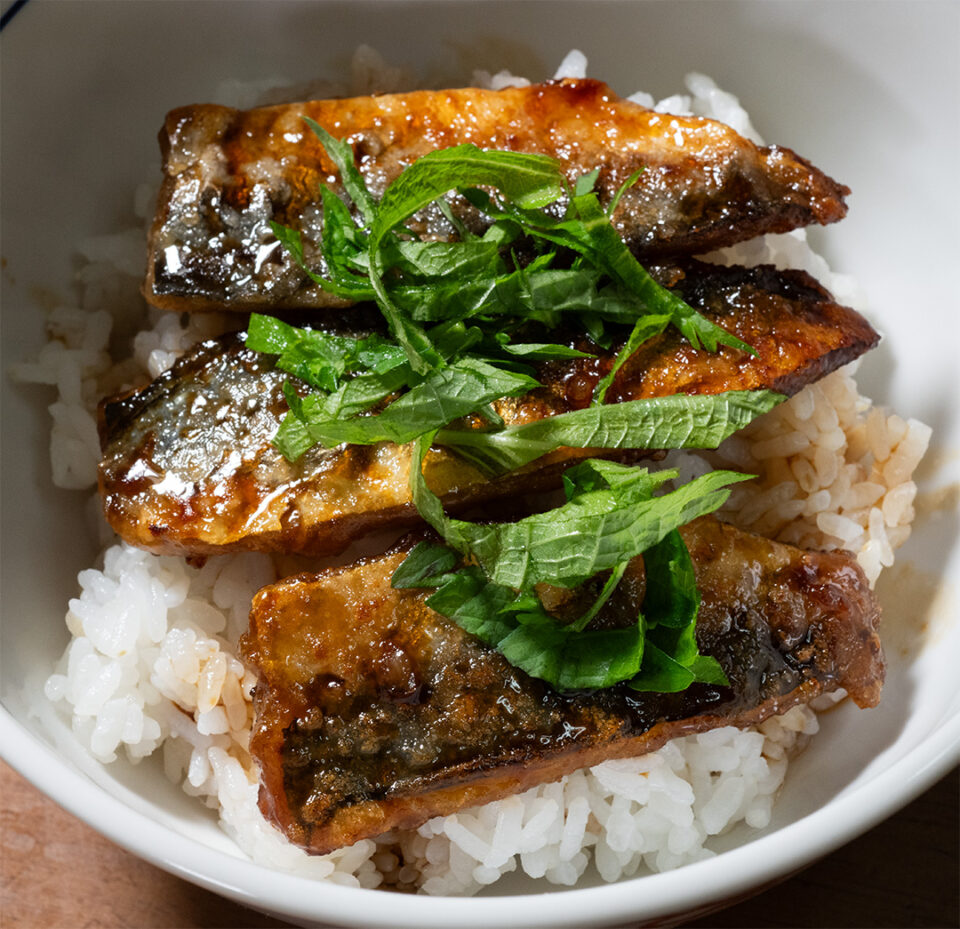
764 859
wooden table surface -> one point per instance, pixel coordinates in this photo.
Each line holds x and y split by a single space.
58 873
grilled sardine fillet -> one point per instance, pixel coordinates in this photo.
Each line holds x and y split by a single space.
188 467
227 173
372 712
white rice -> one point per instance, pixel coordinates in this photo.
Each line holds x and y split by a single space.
152 663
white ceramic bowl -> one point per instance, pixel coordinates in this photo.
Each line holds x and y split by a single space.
866 90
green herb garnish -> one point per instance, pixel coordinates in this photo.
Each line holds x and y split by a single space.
496 599
611 516
675 421
452 309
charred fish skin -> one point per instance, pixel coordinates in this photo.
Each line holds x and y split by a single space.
188 466
372 712
799 332
227 173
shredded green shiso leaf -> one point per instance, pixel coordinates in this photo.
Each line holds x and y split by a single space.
452 308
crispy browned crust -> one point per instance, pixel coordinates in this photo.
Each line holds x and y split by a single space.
183 477
226 172
373 712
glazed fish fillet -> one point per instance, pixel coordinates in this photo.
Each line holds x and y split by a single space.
227 173
373 712
188 467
